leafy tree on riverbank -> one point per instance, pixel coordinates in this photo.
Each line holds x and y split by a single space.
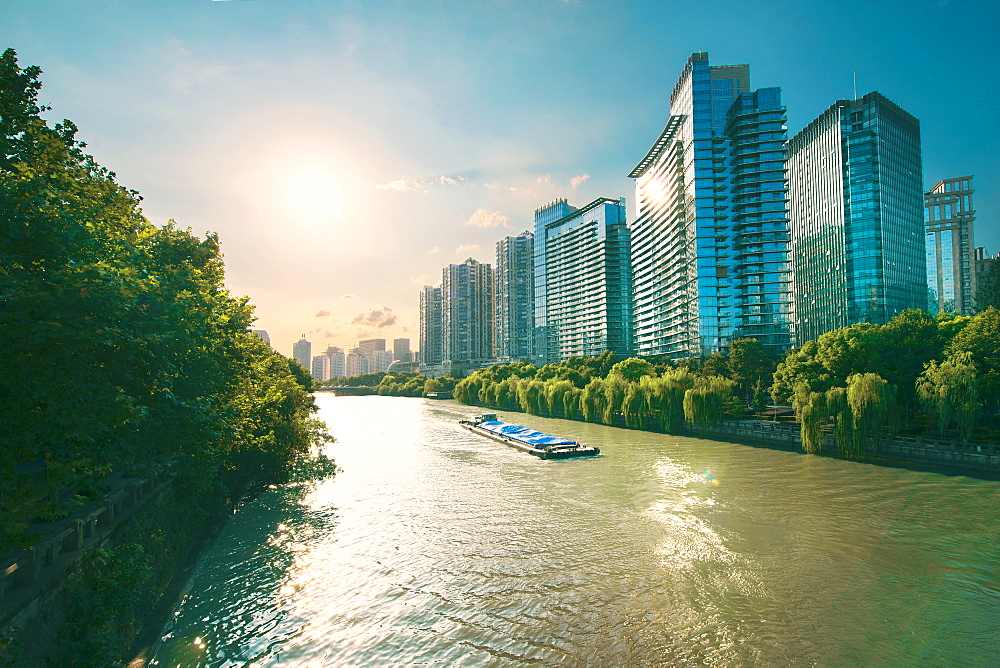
119 345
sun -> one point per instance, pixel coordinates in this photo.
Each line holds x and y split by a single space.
315 195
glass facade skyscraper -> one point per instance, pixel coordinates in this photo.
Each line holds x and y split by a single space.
582 280
949 214
515 298
855 209
710 239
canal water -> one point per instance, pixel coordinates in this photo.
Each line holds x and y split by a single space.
435 546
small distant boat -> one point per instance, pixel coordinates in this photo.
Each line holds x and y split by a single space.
525 439
438 395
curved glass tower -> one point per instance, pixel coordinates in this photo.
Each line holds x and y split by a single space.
710 239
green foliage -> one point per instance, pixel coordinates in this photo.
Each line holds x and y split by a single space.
749 362
632 369
988 286
981 338
811 410
951 390
120 346
869 396
704 403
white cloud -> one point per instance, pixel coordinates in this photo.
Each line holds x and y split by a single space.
577 180
402 185
487 219
425 279
543 180
432 251
466 249
408 184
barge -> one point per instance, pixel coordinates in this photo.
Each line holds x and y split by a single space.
527 440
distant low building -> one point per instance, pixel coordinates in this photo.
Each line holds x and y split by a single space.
262 334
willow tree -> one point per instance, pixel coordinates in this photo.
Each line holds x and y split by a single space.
951 390
555 396
571 402
634 405
704 404
665 396
869 396
592 400
811 410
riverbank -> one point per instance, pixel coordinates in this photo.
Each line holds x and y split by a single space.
939 456
980 460
83 594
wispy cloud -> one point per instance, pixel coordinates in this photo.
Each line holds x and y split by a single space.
376 317
466 249
407 184
432 251
424 279
487 219
577 180
322 313
347 296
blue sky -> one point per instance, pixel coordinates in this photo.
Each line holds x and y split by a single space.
431 129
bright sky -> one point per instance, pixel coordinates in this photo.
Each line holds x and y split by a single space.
345 151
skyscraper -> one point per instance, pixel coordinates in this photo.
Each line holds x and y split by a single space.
302 352
582 258
369 346
710 239
467 314
515 298
949 214
855 208
401 350
431 337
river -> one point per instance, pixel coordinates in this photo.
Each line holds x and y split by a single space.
435 546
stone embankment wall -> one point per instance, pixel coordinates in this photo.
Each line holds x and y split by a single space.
62 543
969 456
80 593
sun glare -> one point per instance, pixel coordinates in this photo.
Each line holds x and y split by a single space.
315 195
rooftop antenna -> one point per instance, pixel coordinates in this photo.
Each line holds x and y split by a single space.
855 85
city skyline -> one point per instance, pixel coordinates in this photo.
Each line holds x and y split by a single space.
441 139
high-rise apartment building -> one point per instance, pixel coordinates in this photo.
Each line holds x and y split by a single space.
401 350
379 360
855 202
710 239
338 367
356 363
369 346
431 336
515 297
302 352
321 367
467 314
949 213
582 262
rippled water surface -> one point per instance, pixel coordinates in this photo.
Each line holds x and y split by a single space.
437 547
